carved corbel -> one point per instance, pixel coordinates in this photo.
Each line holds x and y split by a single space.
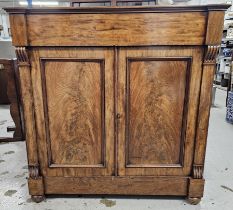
198 171
33 171
211 54
22 56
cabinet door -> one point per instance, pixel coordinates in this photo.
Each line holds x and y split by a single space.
74 101
158 91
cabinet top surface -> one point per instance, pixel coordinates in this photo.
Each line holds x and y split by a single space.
116 9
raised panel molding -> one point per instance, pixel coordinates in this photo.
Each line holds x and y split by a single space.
79 99
186 75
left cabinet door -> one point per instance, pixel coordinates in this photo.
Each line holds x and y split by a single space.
74 110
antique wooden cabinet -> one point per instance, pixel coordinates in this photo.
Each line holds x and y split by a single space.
9 88
3 85
116 99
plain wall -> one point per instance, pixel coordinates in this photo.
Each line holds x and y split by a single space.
7 50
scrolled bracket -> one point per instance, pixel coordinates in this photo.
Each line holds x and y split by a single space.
34 171
211 54
198 171
22 56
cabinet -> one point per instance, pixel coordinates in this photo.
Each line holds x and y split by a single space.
116 99
3 88
10 95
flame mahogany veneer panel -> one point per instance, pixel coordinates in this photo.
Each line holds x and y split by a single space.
156 93
74 91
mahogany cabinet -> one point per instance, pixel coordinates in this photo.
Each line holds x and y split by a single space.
116 99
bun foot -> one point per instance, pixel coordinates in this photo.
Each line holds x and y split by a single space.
194 201
38 198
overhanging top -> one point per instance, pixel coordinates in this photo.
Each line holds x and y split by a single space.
116 9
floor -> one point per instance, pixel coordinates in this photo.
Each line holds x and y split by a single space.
218 174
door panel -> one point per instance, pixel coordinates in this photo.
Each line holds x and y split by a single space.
75 94
155 105
75 111
157 109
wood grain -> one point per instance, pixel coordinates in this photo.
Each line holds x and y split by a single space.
214 27
196 188
19 31
158 141
74 118
156 108
203 114
36 186
74 90
117 29
117 185
28 110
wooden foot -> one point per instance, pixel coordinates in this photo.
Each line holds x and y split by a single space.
194 201
38 198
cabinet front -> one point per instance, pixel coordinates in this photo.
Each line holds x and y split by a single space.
73 94
101 112
158 90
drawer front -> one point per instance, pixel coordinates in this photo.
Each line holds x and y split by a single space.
187 28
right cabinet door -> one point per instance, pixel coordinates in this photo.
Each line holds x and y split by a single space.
157 100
